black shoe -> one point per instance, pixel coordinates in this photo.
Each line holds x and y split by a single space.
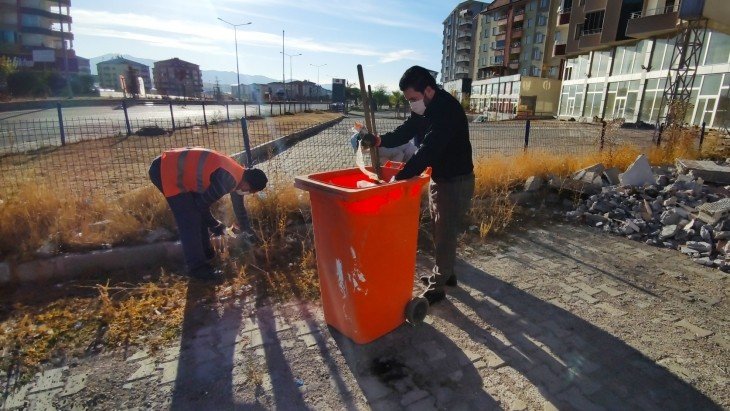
451 282
207 274
434 296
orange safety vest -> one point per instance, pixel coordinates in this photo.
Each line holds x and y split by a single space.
185 170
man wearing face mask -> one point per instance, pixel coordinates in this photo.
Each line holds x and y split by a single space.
192 179
440 118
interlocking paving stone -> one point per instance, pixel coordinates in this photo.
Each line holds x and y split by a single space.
611 309
697 331
611 291
74 384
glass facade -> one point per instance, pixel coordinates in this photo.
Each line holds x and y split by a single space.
629 82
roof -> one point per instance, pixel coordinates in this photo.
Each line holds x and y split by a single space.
465 4
175 60
121 60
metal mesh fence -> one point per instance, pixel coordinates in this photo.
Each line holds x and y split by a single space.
98 157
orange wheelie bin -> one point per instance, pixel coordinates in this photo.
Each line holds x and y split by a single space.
365 240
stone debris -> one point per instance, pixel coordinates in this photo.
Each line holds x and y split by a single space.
706 170
669 209
638 173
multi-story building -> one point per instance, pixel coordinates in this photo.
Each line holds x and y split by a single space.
110 70
619 54
37 34
457 52
175 77
295 90
514 68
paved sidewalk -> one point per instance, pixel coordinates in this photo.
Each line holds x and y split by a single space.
553 317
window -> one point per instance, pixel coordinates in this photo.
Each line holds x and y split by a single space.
718 49
652 99
601 63
594 96
558 37
578 31
629 59
544 3
536 54
494 31
536 71
594 22
539 38
571 100
541 20
524 71
529 22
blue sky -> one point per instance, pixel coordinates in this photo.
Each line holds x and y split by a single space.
385 36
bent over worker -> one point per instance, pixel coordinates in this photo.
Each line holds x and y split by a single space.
192 179
447 150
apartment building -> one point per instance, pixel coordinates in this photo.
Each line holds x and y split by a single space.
37 34
514 67
110 70
175 77
619 53
457 52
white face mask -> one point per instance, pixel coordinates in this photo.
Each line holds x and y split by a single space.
418 107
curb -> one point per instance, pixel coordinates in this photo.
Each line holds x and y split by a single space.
74 265
270 149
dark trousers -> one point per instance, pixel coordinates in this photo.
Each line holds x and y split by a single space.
192 223
449 201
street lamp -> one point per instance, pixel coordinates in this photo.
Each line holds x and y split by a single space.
291 56
318 85
235 39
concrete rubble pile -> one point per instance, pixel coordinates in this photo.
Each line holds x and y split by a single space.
670 207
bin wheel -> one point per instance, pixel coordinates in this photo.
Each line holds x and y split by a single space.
416 310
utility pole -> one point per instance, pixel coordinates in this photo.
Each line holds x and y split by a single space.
318 86
283 75
291 56
235 40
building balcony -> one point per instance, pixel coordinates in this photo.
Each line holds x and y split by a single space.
653 22
498 52
514 66
463 46
496 63
518 18
55 17
464 35
502 20
515 50
589 40
563 17
516 34
461 71
501 37
464 24
47 32
559 50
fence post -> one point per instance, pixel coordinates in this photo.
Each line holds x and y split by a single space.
245 114
702 134
603 135
205 119
246 142
60 124
659 136
527 134
126 117
228 117
259 108
172 116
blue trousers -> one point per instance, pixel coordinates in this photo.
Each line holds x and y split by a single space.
192 223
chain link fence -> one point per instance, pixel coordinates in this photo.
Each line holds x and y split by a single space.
111 156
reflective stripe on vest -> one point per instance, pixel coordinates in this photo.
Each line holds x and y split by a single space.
186 170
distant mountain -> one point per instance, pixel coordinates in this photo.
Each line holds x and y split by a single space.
229 77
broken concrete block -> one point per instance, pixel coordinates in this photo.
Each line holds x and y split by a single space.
533 183
638 173
669 217
596 169
668 232
699 246
721 235
575 186
595 220
706 232
670 201
662 180
706 261
711 213
611 176
707 170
